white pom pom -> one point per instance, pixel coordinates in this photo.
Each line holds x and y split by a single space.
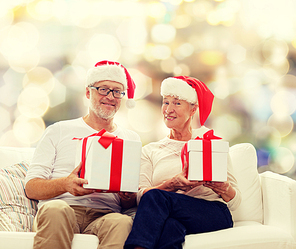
130 103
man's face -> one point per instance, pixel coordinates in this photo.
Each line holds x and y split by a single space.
102 106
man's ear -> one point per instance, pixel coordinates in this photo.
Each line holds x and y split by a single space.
87 92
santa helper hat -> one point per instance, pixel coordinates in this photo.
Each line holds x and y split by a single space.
113 71
192 90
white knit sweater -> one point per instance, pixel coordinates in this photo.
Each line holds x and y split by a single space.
161 161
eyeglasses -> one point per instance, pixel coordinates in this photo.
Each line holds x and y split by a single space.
105 91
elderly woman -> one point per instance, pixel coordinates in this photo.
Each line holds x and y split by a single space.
172 206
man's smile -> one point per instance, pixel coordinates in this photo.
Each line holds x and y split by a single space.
108 103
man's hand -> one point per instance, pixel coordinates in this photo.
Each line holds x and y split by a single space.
127 199
44 189
73 184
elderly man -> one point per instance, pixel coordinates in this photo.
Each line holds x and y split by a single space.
65 207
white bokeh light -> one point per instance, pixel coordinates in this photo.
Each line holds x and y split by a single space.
227 126
28 130
163 33
143 84
40 77
133 33
283 123
281 160
33 102
283 102
161 52
142 118
5 119
104 46
41 10
6 16
19 38
25 61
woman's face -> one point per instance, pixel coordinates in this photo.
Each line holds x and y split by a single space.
177 113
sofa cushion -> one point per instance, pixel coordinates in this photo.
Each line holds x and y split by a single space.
244 161
16 210
243 236
12 155
13 240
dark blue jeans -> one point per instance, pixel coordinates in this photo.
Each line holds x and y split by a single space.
164 218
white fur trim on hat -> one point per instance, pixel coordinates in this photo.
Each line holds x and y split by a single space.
178 88
130 103
106 72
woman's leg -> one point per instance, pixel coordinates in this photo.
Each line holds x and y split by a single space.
156 206
172 236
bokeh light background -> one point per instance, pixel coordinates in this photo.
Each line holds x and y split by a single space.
244 50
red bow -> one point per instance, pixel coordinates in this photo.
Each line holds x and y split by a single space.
100 133
209 135
106 139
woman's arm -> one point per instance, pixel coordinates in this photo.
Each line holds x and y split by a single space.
228 190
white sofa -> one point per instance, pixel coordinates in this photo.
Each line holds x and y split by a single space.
265 218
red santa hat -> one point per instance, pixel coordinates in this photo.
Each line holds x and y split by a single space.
191 90
113 71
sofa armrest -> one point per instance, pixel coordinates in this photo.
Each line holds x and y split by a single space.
279 201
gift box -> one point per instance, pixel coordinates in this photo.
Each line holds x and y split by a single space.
206 158
110 164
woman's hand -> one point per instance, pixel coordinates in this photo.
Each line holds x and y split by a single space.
224 189
180 182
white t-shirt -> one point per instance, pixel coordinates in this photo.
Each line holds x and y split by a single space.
162 160
55 157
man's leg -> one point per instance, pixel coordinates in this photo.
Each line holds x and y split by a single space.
112 230
54 225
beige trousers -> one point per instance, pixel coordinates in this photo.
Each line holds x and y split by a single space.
56 222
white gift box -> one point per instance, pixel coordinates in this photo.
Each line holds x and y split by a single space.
218 168
103 165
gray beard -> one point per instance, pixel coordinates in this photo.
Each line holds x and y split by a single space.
105 114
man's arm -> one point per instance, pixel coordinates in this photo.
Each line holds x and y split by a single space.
43 189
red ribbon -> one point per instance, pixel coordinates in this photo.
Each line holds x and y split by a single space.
116 157
206 153
83 154
185 158
116 165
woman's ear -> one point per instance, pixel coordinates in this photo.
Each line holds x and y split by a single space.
194 109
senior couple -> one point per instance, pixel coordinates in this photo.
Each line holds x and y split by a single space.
169 205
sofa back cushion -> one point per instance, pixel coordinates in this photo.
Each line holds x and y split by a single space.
16 210
12 155
244 161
